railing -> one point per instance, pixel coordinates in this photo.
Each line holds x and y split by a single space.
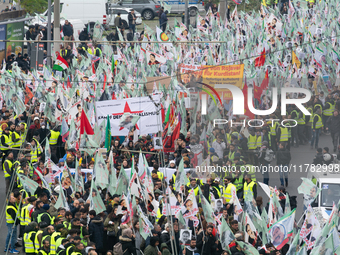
12 14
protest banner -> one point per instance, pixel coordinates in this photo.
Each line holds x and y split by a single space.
148 123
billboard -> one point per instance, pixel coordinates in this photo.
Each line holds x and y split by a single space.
2 44
15 31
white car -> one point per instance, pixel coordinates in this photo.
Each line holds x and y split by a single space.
124 12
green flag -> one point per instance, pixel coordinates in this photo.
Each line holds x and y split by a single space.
108 134
28 184
100 172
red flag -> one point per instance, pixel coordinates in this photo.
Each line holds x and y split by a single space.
85 125
104 82
162 113
169 141
247 112
257 92
69 85
29 95
259 61
265 82
114 96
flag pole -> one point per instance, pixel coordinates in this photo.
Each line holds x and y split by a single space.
301 218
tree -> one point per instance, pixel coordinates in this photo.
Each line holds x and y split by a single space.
34 6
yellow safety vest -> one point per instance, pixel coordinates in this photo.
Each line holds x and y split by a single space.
301 121
252 142
320 106
18 143
160 175
319 122
248 188
8 141
10 164
43 252
25 218
159 215
297 114
229 138
195 189
329 112
310 109
9 218
231 155
284 134
54 137
23 134
53 246
36 241
58 242
29 245
273 129
41 214
235 134
227 192
259 141
238 183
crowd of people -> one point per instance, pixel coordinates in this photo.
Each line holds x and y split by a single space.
71 191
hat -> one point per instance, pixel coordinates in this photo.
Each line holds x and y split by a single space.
59 226
36 118
164 245
61 160
172 162
46 207
32 199
157 191
166 226
81 200
212 150
28 155
68 156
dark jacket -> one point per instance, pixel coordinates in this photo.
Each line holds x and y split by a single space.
283 157
96 231
190 251
318 159
151 249
67 30
207 6
128 245
130 18
164 18
165 238
208 246
334 124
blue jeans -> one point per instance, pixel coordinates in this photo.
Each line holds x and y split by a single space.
14 235
315 136
133 28
283 173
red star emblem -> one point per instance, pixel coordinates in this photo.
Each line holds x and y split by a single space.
127 110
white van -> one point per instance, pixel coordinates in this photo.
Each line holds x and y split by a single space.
88 11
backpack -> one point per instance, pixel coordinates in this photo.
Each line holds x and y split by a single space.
269 155
118 250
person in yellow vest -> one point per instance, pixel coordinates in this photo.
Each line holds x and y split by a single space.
16 140
45 249
193 185
23 129
12 222
282 134
38 236
228 190
25 218
249 186
45 216
294 130
328 111
54 136
301 128
272 127
78 249
7 167
316 128
36 148
252 139
29 237
6 141
238 181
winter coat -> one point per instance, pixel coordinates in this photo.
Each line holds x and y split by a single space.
283 157
165 238
67 30
209 246
150 250
114 227
165 251
334 124
128 245
96 231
